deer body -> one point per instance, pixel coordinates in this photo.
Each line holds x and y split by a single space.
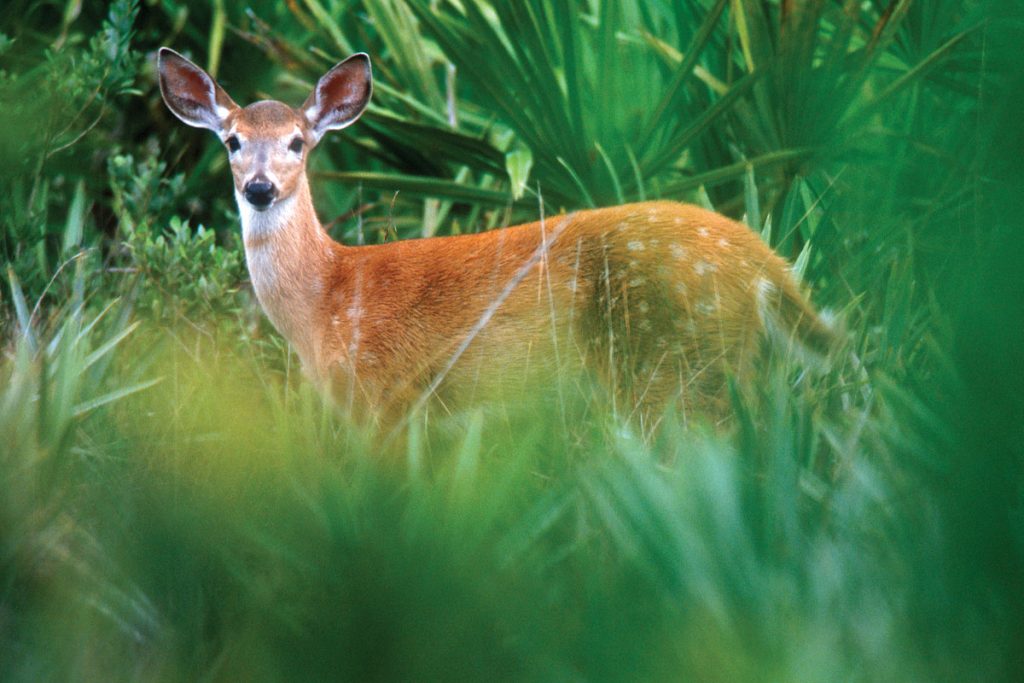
660 299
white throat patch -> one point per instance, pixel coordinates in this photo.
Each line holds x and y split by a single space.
261 224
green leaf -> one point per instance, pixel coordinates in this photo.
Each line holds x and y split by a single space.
326 21
914 75
684 71
21 309
419 186
800 264
74 226
518 163
735 171
671 149
752 206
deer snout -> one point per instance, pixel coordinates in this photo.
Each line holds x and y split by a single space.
260 192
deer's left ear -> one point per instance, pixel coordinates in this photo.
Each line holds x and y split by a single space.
340 97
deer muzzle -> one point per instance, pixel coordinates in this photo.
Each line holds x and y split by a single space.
260 192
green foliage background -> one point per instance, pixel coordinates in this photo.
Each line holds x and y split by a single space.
176 504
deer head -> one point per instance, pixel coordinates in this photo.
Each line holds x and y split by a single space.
267 141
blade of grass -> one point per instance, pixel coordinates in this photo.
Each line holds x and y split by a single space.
736 171
116 395
579 183
619 196
107 346
324 20
216 37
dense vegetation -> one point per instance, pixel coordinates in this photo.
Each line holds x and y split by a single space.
176 504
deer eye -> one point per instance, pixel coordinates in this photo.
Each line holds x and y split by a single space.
296 145
233 144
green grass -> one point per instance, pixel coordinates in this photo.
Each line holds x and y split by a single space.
176 502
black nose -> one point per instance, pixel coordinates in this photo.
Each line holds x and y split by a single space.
260 192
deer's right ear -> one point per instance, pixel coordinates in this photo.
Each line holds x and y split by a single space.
190 93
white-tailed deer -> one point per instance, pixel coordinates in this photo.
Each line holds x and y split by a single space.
661 300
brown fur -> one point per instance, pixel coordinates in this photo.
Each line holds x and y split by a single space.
662 299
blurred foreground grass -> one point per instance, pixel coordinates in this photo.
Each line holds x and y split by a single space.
220 526
176 503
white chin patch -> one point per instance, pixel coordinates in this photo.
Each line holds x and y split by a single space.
258 223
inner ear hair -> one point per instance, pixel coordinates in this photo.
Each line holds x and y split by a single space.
190 93
340 96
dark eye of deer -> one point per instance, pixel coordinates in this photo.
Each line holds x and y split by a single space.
296 145
233 144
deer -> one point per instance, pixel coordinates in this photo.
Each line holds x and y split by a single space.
660 301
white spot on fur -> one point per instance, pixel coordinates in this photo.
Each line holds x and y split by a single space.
678 220
643 307
702 231
705 307
723 242
681 288
637 281
677 251
635 245
703 268
645 325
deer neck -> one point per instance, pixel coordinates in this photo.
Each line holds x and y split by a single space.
288 254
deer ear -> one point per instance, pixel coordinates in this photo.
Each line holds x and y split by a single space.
190 93
340 97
